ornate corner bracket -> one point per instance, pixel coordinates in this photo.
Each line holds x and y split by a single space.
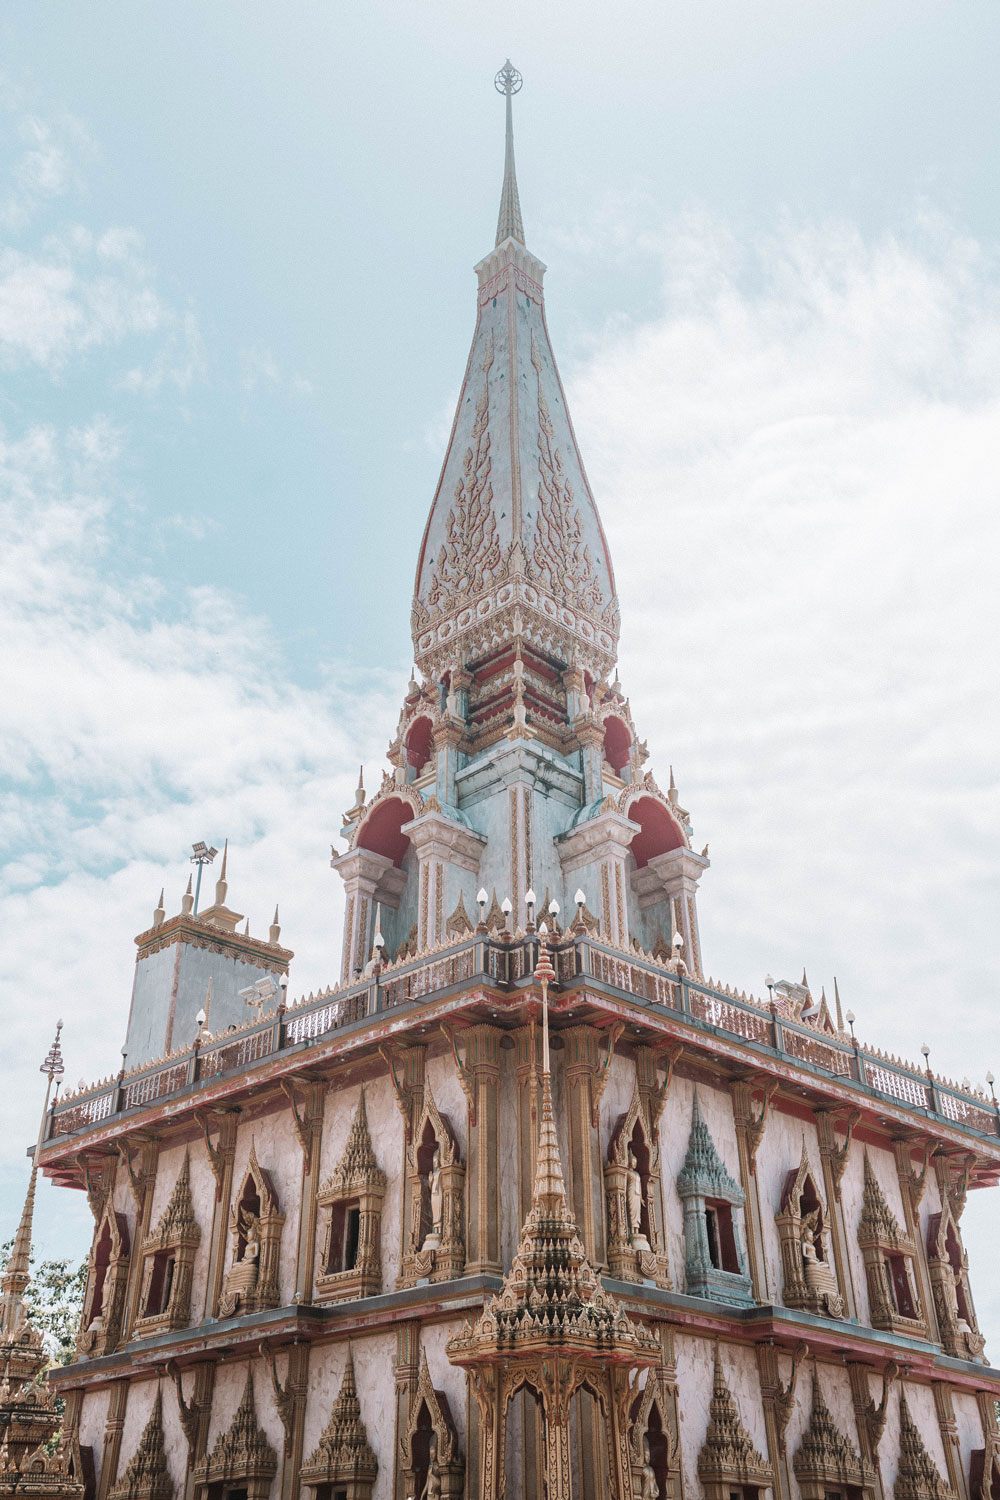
135 1179
658 1097
784 1396
838 1154
97 1193
753 1121
958 1189
600 1078
302 1127
917 1181
400 1091
874 1416
465 1076
216 1154
284 1396
189 1412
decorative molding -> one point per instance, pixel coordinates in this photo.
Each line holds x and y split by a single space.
147 1476
343 1458
839 1154
600 1078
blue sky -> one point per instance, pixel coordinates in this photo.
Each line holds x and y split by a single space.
235 304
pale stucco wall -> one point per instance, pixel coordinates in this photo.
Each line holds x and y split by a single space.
695 1373
93 1415
510 1226
970 1426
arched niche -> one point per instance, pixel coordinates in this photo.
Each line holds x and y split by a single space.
654 1450
107 1277
418 745
617 745
255 1225
948 1265
381 830
431 1440
436 1192
810 1281
659 831
637 1248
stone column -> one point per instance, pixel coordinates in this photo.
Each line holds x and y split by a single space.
143 1183
750 1117
447 737
113 1425
603 842
222 1156
440 843
407 1372
408 1082
911 1190
364 873
591 740
674 876
833 1155
482 1081
945 1407
581 1063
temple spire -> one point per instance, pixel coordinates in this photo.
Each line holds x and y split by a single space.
509 225
17 1275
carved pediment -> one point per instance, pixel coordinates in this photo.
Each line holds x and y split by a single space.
242 1451
177 1224
442 1423
729 1456
917 1477
878 1224
146 1475
826 1456
358 1167
343 1452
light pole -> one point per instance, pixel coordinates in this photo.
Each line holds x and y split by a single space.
202 856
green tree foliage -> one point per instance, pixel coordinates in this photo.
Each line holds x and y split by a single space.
54 1300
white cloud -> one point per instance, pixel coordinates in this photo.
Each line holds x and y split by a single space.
795 460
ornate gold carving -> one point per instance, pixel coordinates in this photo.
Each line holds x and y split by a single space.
465 1075
147 1476
917 1477
637 1244
217 1155
826 1460
242 1453
871 1417
168 1261
435 1246
189 1412
401 1093
470 557
459 923
728 1458
839 1154
810 1280
107 1279
444 1457
303 1129
255 1224
888 1255
343 1457
948 1265
600 1079
560 556
752 1124
284 1397
658 1096
352 1249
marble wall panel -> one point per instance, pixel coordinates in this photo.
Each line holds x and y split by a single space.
779 1153
695 1374
969 1424
93 1415
278 1152
373 1368
141 1394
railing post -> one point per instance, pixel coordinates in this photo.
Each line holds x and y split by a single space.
583 965
278 1028
859 1065
685 1006
935 1102
777 1029
374 1002
193 1064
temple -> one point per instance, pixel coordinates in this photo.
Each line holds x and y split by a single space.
524 1204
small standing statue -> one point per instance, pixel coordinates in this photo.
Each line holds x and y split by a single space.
633 1192
432 1484
435 1187
649 1487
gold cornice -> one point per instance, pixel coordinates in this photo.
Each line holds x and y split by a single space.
199 934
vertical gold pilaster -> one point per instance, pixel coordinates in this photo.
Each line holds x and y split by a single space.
749 1117
407 1372
482 1072
143 1188
945 1407
296 1383
777 1401
911 1190
581 1060
113 1426
310 1131
833 1156
223 1157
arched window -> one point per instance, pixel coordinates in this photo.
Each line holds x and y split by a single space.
381 831
418 744
658 833
617 745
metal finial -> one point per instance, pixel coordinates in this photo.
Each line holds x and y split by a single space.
509 224
508 81
53 1067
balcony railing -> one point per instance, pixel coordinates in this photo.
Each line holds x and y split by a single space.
507 964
